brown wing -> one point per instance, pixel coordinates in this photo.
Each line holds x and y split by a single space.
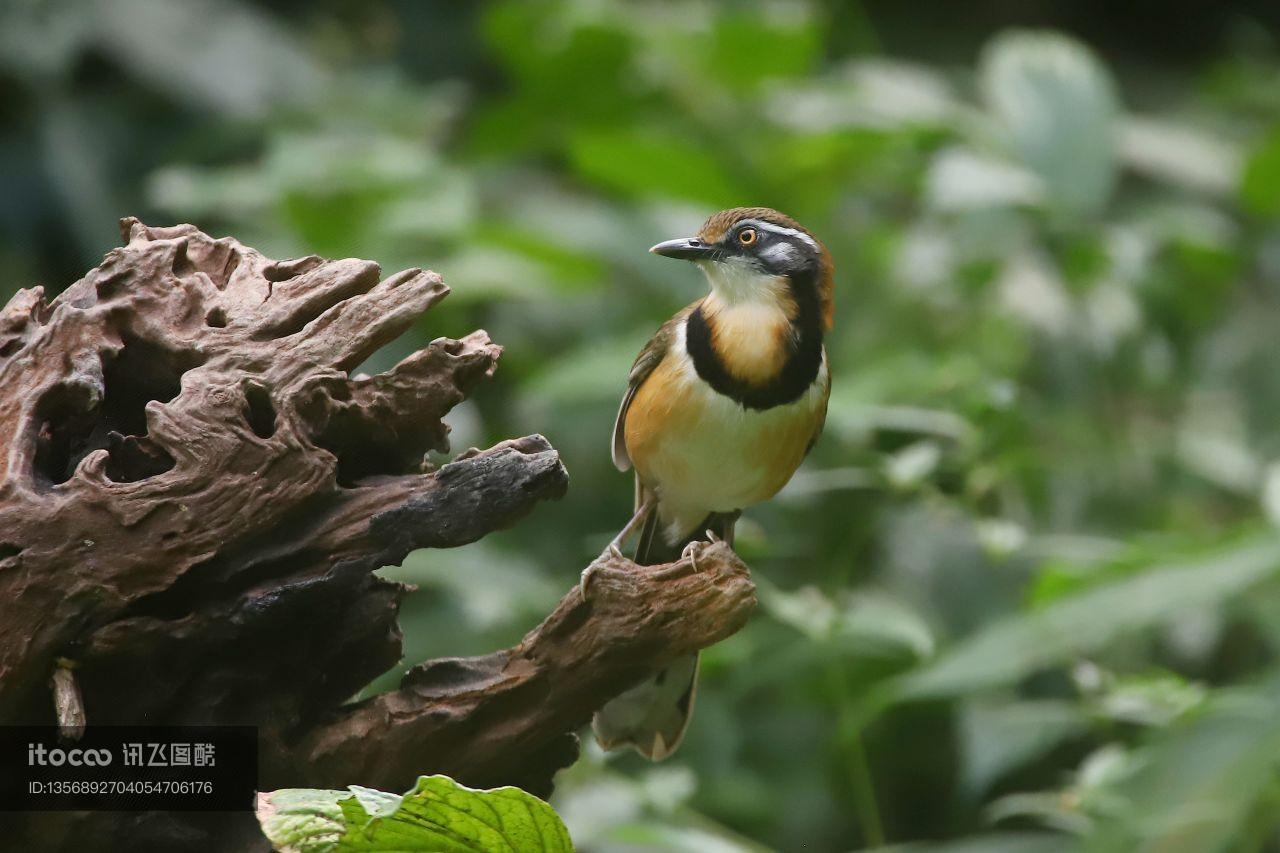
645 362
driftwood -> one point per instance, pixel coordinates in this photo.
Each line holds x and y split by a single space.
194 493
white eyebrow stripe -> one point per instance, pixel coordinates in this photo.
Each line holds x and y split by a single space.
786 232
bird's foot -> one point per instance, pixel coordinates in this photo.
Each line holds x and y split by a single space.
610 552
690 553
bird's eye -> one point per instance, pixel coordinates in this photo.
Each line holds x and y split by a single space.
747 236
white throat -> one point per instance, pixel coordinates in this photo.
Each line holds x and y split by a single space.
749 313
737 282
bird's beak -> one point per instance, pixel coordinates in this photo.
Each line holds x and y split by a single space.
686 249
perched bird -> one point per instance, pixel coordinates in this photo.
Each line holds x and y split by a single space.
721 406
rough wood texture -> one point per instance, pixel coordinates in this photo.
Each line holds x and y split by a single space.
194 494
474 716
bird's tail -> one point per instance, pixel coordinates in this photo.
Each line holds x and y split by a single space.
653 716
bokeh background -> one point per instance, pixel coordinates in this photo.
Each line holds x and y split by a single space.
1025 594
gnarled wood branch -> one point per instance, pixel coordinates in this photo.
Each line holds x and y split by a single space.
195 492
486 721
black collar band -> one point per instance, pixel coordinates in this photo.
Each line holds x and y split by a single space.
803 358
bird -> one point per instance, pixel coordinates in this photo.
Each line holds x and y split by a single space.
722 405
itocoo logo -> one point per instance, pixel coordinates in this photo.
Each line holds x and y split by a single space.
37 753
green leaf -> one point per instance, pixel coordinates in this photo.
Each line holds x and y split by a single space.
997 738
1195 786
1260 184
651 163
1181 154
1057 102
245 66
1149 700
866 93
960 180
868 624
437 815
1017 646
746 49
302 819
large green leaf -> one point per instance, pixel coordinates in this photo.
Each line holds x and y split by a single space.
1260 183
1057 103
437 815
650 163
997 737
1016 646
1181 154
869 624
1196 785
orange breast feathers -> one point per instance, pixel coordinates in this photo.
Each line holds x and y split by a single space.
750 338
702 452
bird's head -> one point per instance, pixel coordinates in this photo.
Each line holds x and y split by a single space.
756 254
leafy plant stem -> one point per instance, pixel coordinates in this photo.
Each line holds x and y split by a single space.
854 757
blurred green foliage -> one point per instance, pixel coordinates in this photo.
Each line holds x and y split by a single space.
1022 597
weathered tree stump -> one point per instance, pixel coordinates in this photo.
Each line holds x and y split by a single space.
194 494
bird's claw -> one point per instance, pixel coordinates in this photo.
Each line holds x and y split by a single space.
584 583
690 553
713 538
